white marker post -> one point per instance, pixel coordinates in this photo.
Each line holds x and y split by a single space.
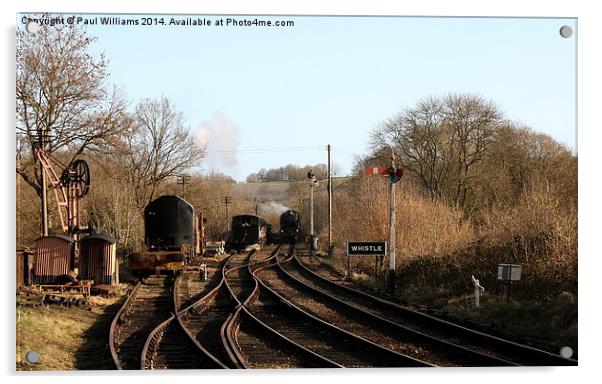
477 291
204 269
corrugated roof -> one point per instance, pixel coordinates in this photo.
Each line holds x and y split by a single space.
101 236
63 237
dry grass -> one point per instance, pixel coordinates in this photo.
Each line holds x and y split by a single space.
58 334
439 247
424 227
541 228
54 332
525 320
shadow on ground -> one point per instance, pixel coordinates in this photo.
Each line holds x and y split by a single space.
94 353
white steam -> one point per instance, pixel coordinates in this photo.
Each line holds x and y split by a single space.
220 138
273 207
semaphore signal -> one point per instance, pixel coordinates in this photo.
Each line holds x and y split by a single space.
394 174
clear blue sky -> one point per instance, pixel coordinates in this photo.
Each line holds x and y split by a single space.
333 79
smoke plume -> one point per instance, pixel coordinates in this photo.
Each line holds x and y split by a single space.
273 207
220 136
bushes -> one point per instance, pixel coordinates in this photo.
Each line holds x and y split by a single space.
426 228
540 228
554 321
438 248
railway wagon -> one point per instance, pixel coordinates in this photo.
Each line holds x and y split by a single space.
171 236
247 230
290 225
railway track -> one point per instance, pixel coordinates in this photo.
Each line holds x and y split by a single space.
169 345
252 343
369 326
191 287
322 338
237 276
478 342
265 309
203 320
146 306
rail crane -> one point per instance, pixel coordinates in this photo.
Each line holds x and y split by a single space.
72 185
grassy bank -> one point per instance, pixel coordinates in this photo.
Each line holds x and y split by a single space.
550 324
65 338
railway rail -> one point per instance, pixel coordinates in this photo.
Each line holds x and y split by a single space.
251 342
146 306
327 340
372 327
169 345
191 287
268 309
445 331
203 320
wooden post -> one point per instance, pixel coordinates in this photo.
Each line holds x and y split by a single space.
329 201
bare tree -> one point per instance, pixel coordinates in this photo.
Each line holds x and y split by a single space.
62 104
422 142
160 147
441 141
473 123
110 207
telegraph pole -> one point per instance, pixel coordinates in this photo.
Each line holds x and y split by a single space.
183 179
392 217
312 237
227 200
329 201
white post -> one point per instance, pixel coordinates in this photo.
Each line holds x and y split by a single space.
204 268
477 291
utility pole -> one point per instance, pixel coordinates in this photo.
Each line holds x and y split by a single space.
227 200
312 237
392 217
183 179
329 201
311 212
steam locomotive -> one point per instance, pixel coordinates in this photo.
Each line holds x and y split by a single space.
172 236
247 230
290 226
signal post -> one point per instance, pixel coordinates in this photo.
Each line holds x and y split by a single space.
392 214
394 174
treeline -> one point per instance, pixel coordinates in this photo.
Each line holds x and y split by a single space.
464 151
66 106
289 172
478 190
